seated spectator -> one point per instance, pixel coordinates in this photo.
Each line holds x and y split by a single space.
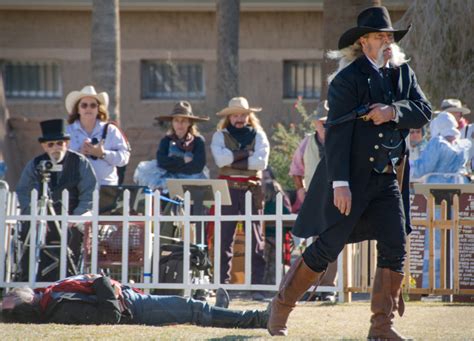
61 169
456 108
445 156
91 135
94 299
417 143
181 153
442 161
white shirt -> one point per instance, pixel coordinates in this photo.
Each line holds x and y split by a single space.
115 148
223 156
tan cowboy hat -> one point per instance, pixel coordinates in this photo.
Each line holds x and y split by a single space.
182 109
238 105
88 91
454 105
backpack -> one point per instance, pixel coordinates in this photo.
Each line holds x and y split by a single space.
120 170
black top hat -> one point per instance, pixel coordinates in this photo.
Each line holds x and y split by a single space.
372 19
53 130
182 109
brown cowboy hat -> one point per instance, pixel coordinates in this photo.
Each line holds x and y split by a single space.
372 19
238 105
182 109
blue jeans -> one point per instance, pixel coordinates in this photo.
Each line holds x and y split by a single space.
154 310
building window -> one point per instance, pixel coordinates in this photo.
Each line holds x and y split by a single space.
32 79
302 78
172 79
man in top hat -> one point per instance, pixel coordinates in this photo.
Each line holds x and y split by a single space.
240 149
354 194
62 169
459 111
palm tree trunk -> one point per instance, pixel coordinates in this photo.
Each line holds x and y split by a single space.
105 52
227 17
5 151
338 16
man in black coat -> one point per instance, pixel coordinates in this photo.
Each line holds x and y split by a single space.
354 194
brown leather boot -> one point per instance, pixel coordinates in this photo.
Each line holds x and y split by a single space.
295 283
386 299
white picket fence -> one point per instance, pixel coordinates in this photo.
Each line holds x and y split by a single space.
152 219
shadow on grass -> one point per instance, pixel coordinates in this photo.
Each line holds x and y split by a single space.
234 337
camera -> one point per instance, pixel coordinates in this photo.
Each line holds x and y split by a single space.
47 166
94 141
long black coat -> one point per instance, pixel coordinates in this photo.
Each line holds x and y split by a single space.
352 148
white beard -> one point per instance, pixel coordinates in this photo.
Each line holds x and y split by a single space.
58 156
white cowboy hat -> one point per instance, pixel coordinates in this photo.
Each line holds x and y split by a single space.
88 91
454 105
238 105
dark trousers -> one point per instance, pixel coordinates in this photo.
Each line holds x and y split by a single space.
383 216
227 239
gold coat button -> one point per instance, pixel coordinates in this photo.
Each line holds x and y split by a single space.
376 146
371 159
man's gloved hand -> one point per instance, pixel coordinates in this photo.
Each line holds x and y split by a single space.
241 164
240 155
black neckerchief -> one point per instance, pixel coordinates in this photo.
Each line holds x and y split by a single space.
244 135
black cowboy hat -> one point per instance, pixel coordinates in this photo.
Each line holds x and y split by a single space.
372 19
53 130
182 109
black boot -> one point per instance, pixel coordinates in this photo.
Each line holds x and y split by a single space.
226 318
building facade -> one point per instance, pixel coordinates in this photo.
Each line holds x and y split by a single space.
168 52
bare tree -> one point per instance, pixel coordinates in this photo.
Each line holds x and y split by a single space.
338 16
440 45
227 17
105 51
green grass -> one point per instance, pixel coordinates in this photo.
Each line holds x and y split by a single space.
309 321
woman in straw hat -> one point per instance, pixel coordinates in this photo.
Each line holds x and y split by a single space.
103 143
181 153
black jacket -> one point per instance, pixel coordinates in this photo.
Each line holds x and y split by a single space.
75 308
354 148
176 164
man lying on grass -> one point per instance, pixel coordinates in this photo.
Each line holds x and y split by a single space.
95 299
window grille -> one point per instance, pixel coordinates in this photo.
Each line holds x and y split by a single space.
302 78
32 79
172 79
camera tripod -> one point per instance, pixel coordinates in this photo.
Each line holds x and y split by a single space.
44 245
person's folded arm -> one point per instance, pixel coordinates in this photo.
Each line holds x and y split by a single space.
222 155
259 159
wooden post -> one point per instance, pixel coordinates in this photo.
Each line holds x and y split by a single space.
431 215
456 244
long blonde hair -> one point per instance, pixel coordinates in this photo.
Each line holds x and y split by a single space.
347 55
253 121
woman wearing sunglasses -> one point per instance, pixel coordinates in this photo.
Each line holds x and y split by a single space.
91 135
